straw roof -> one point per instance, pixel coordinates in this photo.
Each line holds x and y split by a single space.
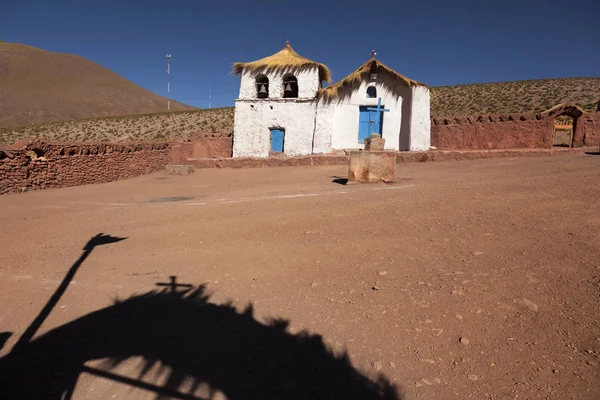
566 108
362 73
286 59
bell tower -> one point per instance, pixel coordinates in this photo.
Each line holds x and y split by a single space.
284 75
276 106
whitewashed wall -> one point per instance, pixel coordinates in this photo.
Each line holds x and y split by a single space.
312 127
308 83
420 121
255 118
323 128
347 112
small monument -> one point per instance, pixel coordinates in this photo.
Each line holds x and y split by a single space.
373 164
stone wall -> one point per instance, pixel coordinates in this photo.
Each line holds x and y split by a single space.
588 131
202 145
491 132
508 131
33 165
215 147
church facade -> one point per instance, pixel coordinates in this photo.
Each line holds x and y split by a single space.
282 108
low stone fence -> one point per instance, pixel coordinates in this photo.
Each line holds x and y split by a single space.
201 146
511 131
33 165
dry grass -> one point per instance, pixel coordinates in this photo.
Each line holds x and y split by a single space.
41 86
286 59
147 127
515 97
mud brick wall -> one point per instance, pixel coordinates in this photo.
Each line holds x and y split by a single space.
204 146
589 134
39 165
180 152
492 132
514 131
213 147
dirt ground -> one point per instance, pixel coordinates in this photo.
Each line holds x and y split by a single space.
476 279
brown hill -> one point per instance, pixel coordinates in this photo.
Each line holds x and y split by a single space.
514 97
41 86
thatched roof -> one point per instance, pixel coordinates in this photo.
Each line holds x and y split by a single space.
286 59
569 109
362 73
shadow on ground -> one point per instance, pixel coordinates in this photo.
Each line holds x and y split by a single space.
192 340
339 180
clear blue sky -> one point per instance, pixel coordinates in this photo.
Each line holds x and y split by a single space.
436 42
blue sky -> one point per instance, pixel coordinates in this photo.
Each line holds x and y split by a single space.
436 42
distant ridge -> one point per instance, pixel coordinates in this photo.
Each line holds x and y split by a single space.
41 86
56 96
514 97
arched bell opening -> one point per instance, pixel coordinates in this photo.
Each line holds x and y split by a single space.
262 87
290 86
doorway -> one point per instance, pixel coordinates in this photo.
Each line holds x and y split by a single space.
566 131
368 123
563 131
277 141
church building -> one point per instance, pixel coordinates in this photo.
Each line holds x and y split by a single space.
283 108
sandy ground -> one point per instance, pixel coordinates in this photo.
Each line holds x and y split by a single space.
476 279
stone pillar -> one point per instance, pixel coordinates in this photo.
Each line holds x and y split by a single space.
372 164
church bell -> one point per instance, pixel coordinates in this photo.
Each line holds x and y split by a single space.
288 87
263 89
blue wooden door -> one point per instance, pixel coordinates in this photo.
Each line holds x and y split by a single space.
366 124
277 140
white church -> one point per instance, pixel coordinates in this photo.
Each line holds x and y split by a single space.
283 108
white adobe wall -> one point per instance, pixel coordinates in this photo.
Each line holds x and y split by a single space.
255 118
420 121
346 114
308 84
323 128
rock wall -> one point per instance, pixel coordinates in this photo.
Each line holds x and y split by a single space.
202 145
491 132
33 165
214 147
588 131
512 131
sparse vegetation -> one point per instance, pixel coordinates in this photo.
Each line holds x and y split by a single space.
514 97
461 100
151 127
93 94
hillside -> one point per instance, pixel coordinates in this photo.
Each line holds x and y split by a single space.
460 100
514 97
40 86
163 126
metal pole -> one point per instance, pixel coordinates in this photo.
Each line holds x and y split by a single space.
169 82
